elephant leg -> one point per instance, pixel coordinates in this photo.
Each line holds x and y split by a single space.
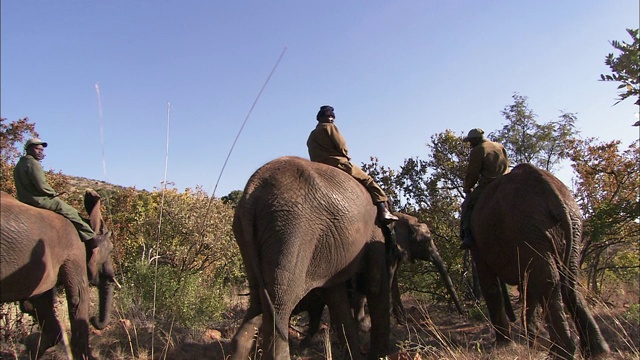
543 285
491 290
563 346
380 313
275 326
242 341
313 303
342 320
592 342
42 309
358 307
78 305
398 309
528 320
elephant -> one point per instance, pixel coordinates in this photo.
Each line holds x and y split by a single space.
414 243
528 232
39 250
302 225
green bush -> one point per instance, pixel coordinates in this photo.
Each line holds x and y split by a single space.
191 300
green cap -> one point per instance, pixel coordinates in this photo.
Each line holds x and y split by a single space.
474 133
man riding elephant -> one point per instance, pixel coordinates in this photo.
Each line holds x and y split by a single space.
326 145
487 161
32 188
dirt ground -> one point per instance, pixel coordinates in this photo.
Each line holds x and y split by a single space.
433 331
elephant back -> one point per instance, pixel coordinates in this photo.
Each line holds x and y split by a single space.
527 203
297 183
294 208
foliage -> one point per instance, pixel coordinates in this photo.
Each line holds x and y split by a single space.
528 141
188 233
625 67
12 137
607 191
192 300
180 246
430 191
232 198
190 237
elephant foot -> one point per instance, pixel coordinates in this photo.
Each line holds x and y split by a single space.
37 344
504 342
364 324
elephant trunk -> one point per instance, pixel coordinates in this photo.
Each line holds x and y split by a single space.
106 300
437 261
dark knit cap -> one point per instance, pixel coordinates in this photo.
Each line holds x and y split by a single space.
325 112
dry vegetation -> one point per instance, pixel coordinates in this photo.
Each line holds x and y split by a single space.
434 331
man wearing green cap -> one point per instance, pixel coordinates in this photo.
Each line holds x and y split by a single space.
326 145
32 188
487 161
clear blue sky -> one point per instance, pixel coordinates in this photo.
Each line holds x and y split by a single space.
396 72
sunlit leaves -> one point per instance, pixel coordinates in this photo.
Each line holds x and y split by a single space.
625 67
528 141
607 190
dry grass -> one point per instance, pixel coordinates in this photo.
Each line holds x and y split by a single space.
432 332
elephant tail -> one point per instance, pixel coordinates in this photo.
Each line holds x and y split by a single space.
566 211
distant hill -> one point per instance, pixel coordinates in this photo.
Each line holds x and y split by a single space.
79 184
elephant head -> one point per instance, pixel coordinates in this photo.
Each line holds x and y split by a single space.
415 243
100 266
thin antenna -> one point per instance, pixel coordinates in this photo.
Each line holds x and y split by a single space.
164 187
247 118
104 164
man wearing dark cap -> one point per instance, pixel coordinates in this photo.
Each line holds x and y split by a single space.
487 161
326 145
32 188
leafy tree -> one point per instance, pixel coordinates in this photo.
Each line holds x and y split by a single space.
607 190
232 198
431 189
12 138
625 67
13 135
190 236
384 177
528 141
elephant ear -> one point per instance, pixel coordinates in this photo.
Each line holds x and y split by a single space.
92 205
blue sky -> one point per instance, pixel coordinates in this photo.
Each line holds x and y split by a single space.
396 73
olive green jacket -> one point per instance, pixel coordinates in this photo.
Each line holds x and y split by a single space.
31 184
326 145
33 189
487 162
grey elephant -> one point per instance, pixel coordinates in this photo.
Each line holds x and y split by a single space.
302 225
414 242
528 232
40 250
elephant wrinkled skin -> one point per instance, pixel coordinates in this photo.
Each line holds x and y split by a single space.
528 232
40 250
414 242
302 225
